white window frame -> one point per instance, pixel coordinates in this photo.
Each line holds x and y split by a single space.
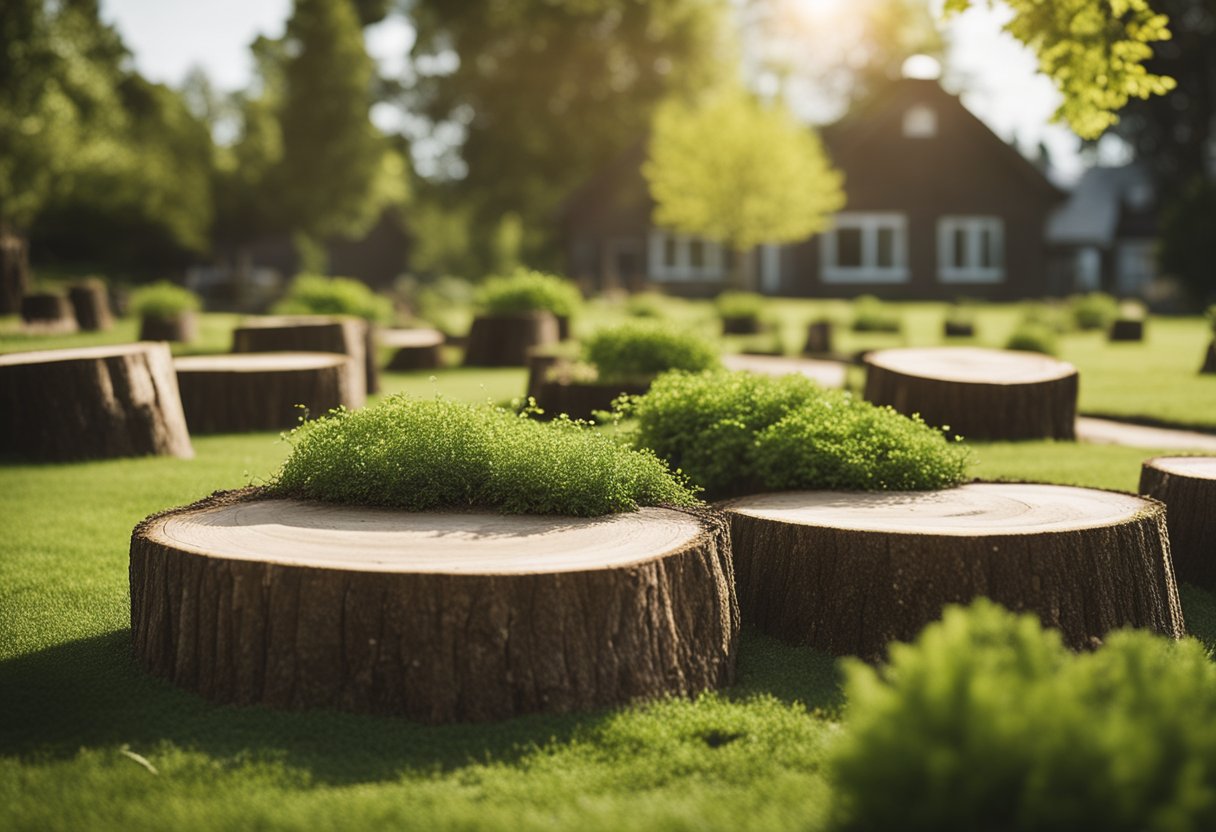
660 270
971 271
869 224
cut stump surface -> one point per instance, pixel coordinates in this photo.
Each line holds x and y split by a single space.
435 616
91 403
827 373
311 333
1187 486
848 572
415 349
979 393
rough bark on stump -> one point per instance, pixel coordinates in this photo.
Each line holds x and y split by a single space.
308 333
48 312
1127 329
416 349
504 340
848 572
1187 486
1209 360
958 329
979 393
99 402
438 617
14 270
580 399
263 391
182 327
91 304
818 338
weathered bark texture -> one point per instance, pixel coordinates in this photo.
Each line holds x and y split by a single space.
580 400
958 329
308 333
416 349
94 403
182 327
48 312
14 270
1187 486
1209 360
435 617
740 325
818 338
263 391
504 340
91 303
1127 329
979 393
847 573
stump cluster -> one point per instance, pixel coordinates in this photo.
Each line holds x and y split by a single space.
1187 486
505 340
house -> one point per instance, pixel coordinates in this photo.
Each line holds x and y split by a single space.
937 206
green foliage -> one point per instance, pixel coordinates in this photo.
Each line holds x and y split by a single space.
1033 337
445 302
740 305
646 305
1188 246
422 454
872 315
643 349
163 300
988 722
525 290
314 294
1095 310
733 432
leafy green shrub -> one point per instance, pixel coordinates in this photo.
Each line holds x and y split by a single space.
525 290
163 300
1095 310
1033 337
446 302
1052 316
988 722
314 294
872 315
736 432
639 350
740 305
646 305
421 454
961 312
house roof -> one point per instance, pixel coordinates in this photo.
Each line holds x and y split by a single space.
1101 200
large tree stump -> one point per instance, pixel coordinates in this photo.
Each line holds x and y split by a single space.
504 340
112 401
848 572
309 333
1187 486
47 312
181 328
14 270
818 338
416 349
438 617
91 304
581 399
264 391
1209 360
979 393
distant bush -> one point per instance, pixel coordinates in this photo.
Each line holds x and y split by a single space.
525 290
733 432
988 722
646 305
421 454
314 294
1053 316
163 300
445 302
1095 310
740 305
1033 337
639 350
872 315
961 312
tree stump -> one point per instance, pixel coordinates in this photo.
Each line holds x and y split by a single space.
563 327
416 349
958 329
581 399
371 358
1127 329
848 572
91 304
979 393
740 325
504 340
47 312
99 402
308 333
1187 486
1209 360
181 328
818 338
826 373
263 391
438 617
539 365
14 270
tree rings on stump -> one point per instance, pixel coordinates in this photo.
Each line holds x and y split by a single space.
263 391
504 340
416 349
91 304
827 373
848 572
182 327
979 393
439 617
48 313
309 333
1187 486
93 403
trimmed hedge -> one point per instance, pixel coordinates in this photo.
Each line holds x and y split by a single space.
740 305
163 300
525 290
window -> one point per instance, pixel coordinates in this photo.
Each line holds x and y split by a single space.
680 257
866 248
970 250
920 122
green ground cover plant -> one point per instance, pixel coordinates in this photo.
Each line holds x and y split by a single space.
526 290
640 350
1034 337
873 315
1095 310
422 454
163 300
314 294
988 722
740 305
733 433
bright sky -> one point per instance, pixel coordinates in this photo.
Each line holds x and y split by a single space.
168 37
